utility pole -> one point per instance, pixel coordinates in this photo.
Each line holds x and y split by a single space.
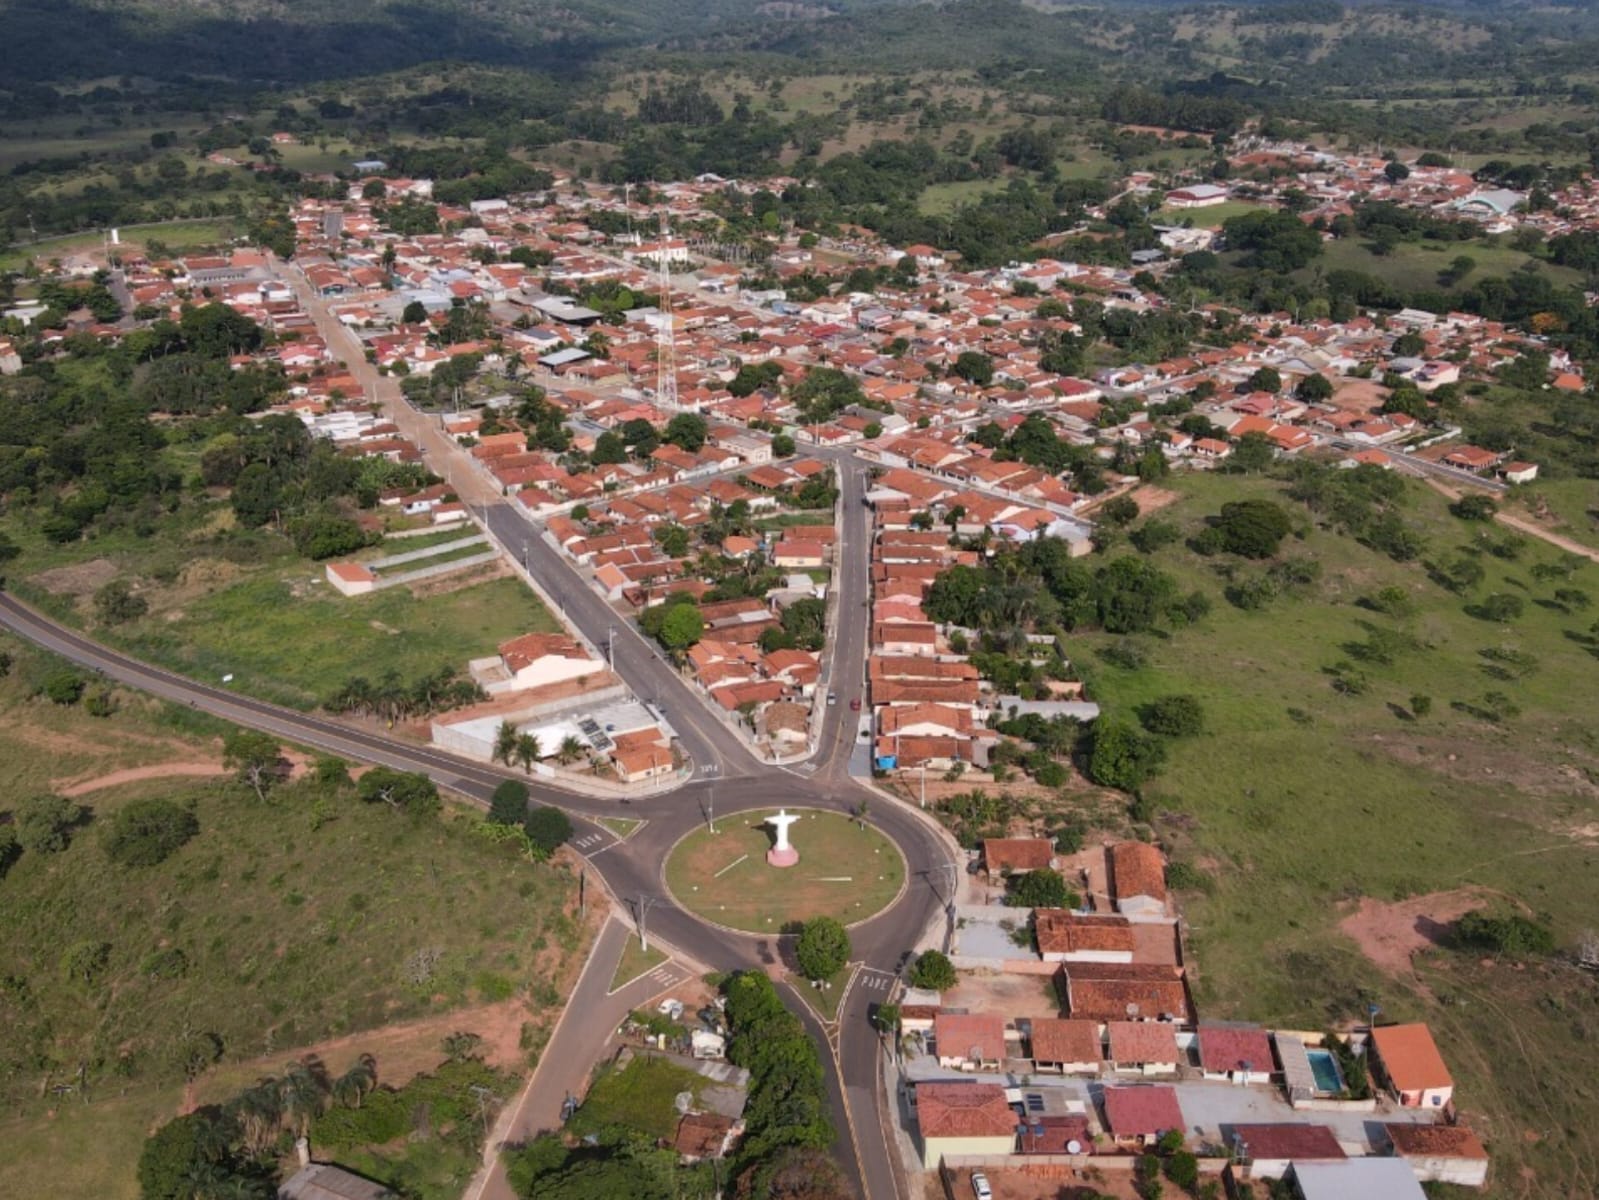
710 806
924 785
610 647
644 902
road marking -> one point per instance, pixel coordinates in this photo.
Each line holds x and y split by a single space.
589 840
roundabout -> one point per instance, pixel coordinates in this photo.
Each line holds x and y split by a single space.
845 869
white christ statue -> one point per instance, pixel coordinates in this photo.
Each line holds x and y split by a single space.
782 854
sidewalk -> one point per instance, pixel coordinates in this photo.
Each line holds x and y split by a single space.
586 1028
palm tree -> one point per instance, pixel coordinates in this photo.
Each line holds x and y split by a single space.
259 1110
528 751
571 750
504 743
302 1092
362 1077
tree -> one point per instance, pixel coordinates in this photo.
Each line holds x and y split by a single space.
255 757
116 603
44 823
783 446
570 751
1396 172
504 744
1315 388
1266 379
64 687
508 806
528 750
1252 528
974 367
1118 512
415 313
1174 716
682 627
192 1156
1474 506
933 970
1511 934
548 829
351 1088
145 833
822 948
686 431
1122 757
1042 888
403 791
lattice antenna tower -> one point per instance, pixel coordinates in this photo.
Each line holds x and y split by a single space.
665 332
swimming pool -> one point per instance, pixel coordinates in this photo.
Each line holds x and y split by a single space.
1325 1068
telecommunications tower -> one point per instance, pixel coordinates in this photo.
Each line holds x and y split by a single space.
665 333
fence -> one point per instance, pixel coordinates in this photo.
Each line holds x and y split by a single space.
433 572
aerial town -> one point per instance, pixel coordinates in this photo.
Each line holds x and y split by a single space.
762 506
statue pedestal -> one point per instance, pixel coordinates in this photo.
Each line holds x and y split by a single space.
785 856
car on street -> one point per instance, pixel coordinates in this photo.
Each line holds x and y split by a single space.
855 704
980 1187
832 697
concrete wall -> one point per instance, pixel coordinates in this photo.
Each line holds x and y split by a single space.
395 560
438 569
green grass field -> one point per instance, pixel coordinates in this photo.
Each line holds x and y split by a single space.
285 638
1300 800
941 199
844 871
1416 265
178 235
1204 218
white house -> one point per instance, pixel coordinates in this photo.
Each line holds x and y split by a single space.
531 661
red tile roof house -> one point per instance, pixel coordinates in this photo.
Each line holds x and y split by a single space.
1236 1052
1440 1153
1143 1047
1269 1148
1137 1116
970 1041
1002 855
1066 1047
962 1119
1139 877
1409 1060
1063 936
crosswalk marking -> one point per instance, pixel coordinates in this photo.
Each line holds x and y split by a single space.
589 840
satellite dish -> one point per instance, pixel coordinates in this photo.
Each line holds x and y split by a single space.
1132 1011
1074 1147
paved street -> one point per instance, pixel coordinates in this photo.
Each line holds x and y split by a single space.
586 1029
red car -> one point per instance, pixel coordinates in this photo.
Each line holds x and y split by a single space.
855 704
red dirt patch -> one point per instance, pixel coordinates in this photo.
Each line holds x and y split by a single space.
166 770
1390 934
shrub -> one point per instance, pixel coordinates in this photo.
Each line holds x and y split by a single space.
509 803
116 603
1509 934
44 823
1185 877
166 963
1474 507
1122 757
63 687
383 1116
933 970
147 832
1182 1168
548 829
1174 716
1043 888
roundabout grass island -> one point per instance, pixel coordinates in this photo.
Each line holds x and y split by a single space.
844 871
